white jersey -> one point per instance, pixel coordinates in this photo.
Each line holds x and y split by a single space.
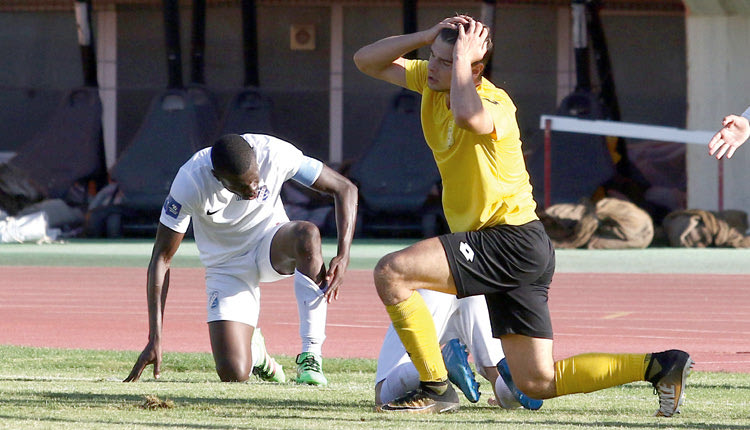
466 319
226 226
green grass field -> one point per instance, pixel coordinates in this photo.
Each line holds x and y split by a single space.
79 389
82 389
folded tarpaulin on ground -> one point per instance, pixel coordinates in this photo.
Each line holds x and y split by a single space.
29 228
695 228
609 224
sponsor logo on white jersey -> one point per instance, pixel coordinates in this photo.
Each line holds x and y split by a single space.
263 193
171 207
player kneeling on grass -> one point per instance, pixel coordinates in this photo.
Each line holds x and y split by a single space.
462 325
497 247
231 193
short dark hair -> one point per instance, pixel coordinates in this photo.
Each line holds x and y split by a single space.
232 155
450 35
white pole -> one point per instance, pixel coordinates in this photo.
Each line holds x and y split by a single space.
106 47
626 129
336 119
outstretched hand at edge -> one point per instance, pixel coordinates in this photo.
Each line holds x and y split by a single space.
151 355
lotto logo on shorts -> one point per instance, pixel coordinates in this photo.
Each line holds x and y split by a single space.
466 251
171 207
213 300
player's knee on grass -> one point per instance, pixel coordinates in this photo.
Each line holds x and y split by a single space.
233 370
537 385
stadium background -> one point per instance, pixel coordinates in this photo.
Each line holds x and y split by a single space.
652 44
667 55
646 38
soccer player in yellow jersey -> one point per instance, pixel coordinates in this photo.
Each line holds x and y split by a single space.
498 248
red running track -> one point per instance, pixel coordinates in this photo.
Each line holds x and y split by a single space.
105 308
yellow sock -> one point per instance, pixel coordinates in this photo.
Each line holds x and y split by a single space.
413 323
591 372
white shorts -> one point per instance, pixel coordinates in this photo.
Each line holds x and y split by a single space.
232 289
466 319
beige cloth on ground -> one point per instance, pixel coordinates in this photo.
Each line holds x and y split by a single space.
610 224
695 228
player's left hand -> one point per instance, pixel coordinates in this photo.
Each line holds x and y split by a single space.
335 276
472 40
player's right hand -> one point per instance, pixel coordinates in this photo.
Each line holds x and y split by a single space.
732 135
335 276
151 355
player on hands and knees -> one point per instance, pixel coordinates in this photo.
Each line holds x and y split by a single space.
462 325
230 192
498 248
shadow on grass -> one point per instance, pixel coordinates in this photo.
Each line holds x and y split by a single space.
103 423
328 403
338 412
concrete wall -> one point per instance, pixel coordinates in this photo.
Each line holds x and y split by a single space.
297 81
41 61
649 66
648 54
718 36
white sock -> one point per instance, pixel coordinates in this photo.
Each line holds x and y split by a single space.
257 350
504 397
312 308
402 379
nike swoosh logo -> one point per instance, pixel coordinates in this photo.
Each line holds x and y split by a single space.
209 213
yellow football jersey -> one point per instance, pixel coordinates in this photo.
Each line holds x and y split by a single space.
485 182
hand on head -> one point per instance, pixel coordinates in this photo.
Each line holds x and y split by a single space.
455 21
473 38
451 22
460 21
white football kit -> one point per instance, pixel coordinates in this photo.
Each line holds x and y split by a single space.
466 319
234 236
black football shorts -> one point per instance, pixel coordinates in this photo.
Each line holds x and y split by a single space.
512 266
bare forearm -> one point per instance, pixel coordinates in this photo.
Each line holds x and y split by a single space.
470 48
346 217
465 102
345 195
376 57
157 285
